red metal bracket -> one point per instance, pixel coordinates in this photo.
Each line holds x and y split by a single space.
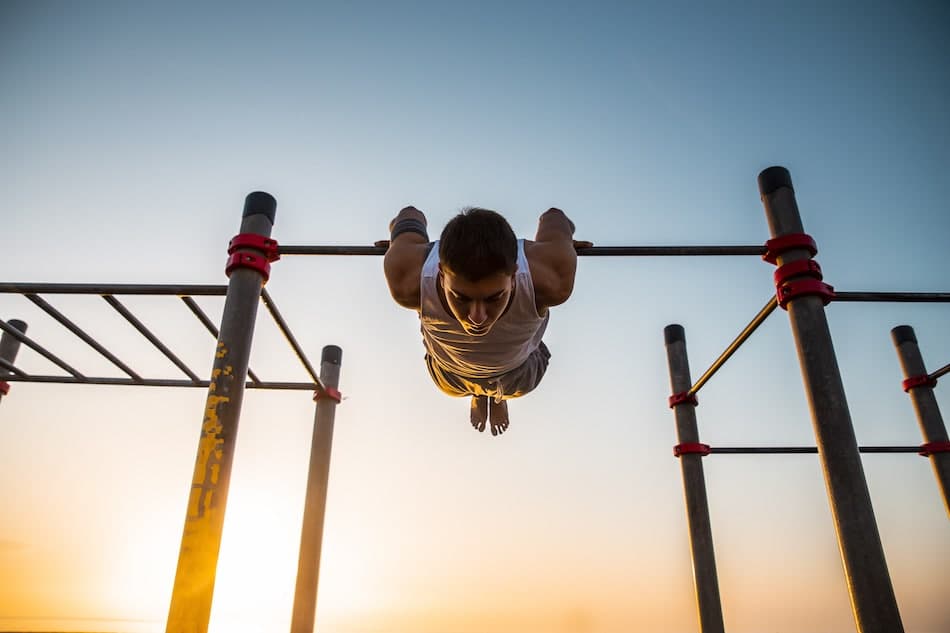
919 381
680 398
265 245
928 449
328 394
4 387
802 267
793 289
779 245
691 448
248 260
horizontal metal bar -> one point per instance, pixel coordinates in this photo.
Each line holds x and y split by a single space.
75 329
211 327
279 320
744 335
771 450
42 351
148 382
144 331
591 251
113 289
894 297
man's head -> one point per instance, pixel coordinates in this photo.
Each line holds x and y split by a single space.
478 252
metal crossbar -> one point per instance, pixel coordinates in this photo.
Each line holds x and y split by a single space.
108 292
590 251
789 450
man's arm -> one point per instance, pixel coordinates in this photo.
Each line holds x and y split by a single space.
553 260
407 252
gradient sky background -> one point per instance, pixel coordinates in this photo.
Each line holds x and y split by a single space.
131 135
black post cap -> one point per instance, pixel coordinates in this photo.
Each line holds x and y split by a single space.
332 354
17 324
260 202
674 333
773 178
903 334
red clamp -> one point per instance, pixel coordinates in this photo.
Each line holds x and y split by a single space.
928 449
800 268
248 260
265 245
691 448
793 289
680 398
4 387
919 381
260 263
329 393
779 245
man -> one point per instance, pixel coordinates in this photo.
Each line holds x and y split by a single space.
482 296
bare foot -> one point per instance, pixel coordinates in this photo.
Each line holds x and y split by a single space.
480 413
498 416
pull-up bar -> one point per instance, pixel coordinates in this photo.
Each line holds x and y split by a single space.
380 248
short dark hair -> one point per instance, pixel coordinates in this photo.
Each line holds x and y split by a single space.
478 243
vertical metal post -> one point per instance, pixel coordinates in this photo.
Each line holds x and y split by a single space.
869 583
925 404
190 608
314 513
9 346
694 487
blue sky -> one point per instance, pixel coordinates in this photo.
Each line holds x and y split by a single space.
131 135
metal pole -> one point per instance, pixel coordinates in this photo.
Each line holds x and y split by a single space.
190 608
925 404
869 583
694 486
9 346
314 513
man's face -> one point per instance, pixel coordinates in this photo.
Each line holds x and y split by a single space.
477 304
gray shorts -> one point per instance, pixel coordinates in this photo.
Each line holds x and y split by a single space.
514 384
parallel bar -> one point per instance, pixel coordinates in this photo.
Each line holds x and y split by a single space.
792 450
275 313
759 319
315 505
873 602
592 251
144 331
926 407
75 329
894 297
155 382
211 327
112 289
705 576
40 350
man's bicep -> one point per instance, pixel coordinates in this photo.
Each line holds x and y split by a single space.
402 267
553 270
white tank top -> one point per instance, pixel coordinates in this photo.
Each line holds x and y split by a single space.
507 344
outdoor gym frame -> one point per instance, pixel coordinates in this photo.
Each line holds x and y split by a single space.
799 290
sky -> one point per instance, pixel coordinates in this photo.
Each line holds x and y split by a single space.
132 132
